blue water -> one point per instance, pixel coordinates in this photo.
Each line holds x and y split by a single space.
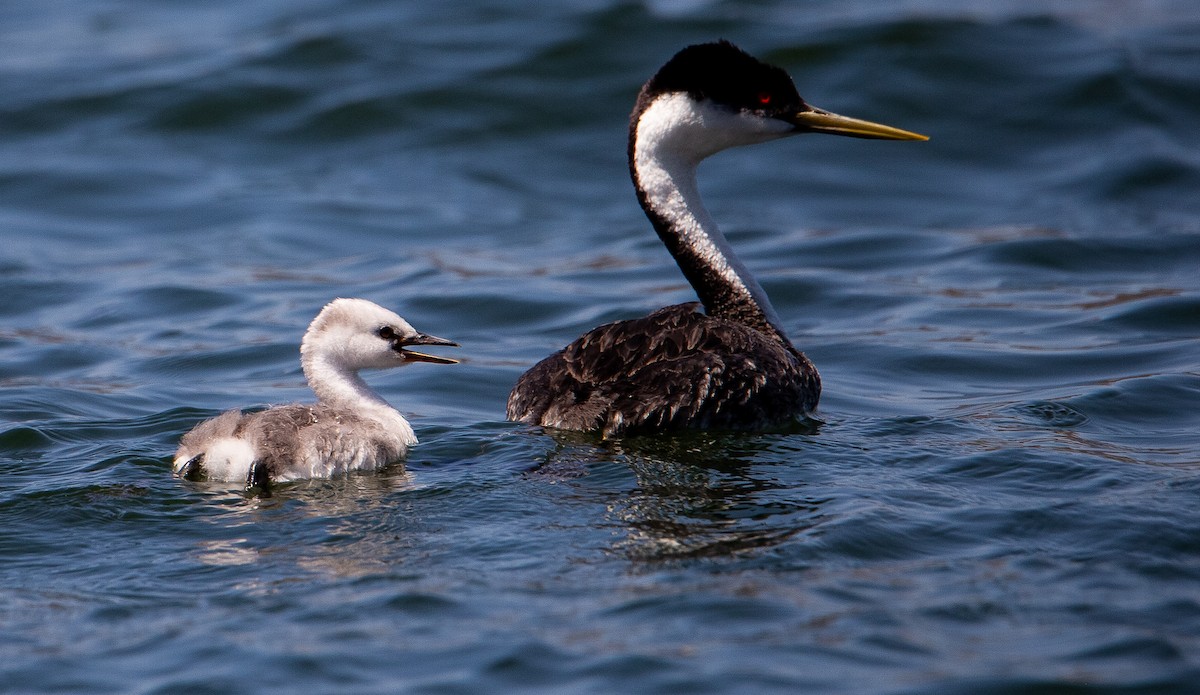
999 493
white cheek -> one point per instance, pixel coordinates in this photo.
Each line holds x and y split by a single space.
735 129
695 130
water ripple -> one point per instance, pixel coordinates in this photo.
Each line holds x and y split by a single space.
996 495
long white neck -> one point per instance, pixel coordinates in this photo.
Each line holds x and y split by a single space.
343 389
668 143
336 385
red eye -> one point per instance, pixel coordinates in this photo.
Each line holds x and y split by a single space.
764 98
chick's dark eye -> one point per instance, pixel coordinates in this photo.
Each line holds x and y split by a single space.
386 332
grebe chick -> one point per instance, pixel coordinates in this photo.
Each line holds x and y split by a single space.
350 427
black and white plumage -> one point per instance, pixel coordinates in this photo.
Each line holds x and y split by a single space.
732 366
350 426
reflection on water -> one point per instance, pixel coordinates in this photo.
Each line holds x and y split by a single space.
695 494
708 496
225 552
350 524
1002 491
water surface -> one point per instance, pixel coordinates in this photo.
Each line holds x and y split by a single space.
998 492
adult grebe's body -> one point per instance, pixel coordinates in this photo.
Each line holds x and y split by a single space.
349 427
731 367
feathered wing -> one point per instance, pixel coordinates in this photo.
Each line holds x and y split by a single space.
195 441
289 442
674 368
314 440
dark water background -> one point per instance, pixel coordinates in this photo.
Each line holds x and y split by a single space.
1001 494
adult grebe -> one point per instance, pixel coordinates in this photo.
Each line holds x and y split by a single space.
733 366
349 427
